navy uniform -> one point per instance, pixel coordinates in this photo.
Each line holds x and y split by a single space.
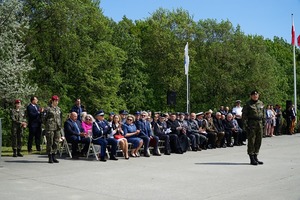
18 125
53 124
253 114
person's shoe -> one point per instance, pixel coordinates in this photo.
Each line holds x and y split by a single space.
113 158
224 146
252 160
29 151
54 159
256 159
156 154
50 159
147 155
102 159
19 153
15 153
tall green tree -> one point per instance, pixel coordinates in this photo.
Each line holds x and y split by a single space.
14 60
71 43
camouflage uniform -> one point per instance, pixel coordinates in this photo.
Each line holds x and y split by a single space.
17 116
52 120
253 116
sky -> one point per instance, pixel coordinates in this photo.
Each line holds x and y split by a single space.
267 18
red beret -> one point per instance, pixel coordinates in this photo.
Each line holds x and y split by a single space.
17 101
55 97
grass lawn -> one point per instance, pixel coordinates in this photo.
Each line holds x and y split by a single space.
7 151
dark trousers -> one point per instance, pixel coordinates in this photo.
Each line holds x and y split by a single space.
74 140
166 139
103 142
175 144
212 138
34 132
193 140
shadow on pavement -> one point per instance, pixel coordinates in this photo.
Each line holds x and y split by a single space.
221 163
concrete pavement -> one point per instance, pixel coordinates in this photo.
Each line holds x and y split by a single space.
212 174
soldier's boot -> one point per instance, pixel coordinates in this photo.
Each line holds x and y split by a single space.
54 159
19 153
15 153
252 160
258 161
50 159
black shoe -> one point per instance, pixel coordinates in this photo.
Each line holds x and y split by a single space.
54 159
252 160
256 159
102 159
15 153
50 159
19 153
113 158
156 154
147 155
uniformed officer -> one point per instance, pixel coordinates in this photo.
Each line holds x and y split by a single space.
18 125
53 123
253 114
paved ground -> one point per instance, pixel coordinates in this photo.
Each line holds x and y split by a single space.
213 174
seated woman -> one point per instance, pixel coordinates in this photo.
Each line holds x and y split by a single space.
87 124
131 133
118 134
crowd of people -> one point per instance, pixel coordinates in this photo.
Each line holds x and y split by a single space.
134 133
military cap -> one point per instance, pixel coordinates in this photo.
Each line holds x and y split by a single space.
254 92
123 112
162 115
137 113
200 113
55 98
187 113
111 113
17 101
100 113
238 101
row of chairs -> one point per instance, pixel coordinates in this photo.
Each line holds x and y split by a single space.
93 150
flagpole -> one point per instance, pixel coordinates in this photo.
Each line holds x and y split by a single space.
186 69
294 59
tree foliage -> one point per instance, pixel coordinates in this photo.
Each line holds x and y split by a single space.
75 51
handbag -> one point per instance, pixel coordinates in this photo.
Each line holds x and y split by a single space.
118 136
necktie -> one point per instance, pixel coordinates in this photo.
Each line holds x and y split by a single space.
77 129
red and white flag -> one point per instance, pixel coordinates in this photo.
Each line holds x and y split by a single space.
298 40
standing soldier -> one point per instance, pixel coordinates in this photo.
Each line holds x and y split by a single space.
253 114
53 121
18 125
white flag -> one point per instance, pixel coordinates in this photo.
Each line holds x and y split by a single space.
186 59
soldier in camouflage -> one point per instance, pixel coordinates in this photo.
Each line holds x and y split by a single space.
253 115
18 125
53 121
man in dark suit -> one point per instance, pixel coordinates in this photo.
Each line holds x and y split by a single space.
146 135
34 124
78 108
75 134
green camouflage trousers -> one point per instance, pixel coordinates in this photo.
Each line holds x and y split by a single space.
16 136
254 136
53 138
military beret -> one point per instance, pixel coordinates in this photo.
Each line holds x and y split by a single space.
17 101
55 98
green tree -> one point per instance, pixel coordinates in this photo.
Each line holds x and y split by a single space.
71 43
14 61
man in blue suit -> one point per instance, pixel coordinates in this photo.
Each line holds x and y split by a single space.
101 136
147 135
75 134
34 124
